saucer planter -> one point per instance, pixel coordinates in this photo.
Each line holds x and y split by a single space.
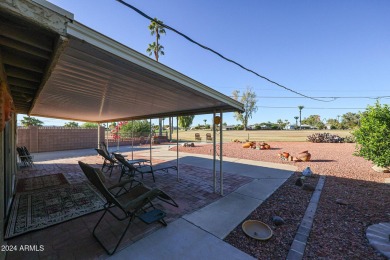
257 229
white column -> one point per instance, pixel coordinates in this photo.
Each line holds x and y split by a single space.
220 155
132 139
177 145
150 145
214 154
117 135
98 141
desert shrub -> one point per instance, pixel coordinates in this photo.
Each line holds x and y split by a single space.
373 135
324 138
349 139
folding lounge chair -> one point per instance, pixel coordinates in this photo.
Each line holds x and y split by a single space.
109 162
130 170
25 157
133 203
103 146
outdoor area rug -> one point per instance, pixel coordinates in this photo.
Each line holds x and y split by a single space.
38 209
39 182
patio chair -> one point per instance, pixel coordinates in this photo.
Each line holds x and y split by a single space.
209 137
109 162
136 202
25 157
105 149
197 137
130 170
103 146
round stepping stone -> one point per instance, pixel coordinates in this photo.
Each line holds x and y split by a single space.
378 236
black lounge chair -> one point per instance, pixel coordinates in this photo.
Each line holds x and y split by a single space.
135 202
103 146
109 162
25 157
130 170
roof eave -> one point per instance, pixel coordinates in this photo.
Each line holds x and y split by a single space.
103 42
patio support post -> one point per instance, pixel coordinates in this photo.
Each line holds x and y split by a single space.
220 155
177 145
150 144
214 154
106 135
98 140
170 128
132 139
117 135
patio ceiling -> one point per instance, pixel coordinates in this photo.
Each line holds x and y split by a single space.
86 76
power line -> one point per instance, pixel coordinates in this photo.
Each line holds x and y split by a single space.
217 53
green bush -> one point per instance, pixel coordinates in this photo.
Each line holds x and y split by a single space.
373 135
139 127
89 125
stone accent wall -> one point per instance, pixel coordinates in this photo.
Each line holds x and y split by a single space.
47 139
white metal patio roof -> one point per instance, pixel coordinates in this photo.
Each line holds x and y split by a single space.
57 67
98 79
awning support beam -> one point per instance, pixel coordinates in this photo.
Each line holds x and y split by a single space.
220 155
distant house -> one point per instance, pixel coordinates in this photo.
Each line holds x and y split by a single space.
291 127
228 127
265 127
308 127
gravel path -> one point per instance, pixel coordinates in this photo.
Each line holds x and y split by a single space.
353 198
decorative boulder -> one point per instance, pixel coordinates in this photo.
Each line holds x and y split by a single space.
299 182
308 187
246 145
307 172
277 220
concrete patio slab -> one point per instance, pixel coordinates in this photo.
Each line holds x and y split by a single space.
260 189
181 240
222 216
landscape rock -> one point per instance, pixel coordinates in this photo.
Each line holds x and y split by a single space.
381 169
299 182
341 202
278 220
307 172
308 187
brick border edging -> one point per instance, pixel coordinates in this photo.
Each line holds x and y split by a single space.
298 246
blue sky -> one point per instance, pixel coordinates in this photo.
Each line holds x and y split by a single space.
319 48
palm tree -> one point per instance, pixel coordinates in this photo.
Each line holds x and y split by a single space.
156 28
300 116
205 120
296 121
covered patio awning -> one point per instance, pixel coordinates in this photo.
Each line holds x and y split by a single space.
86 76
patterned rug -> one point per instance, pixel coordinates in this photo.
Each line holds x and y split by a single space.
39 182
38 209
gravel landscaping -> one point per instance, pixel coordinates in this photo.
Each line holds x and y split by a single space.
353 198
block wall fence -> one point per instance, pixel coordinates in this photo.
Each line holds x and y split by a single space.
47 139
